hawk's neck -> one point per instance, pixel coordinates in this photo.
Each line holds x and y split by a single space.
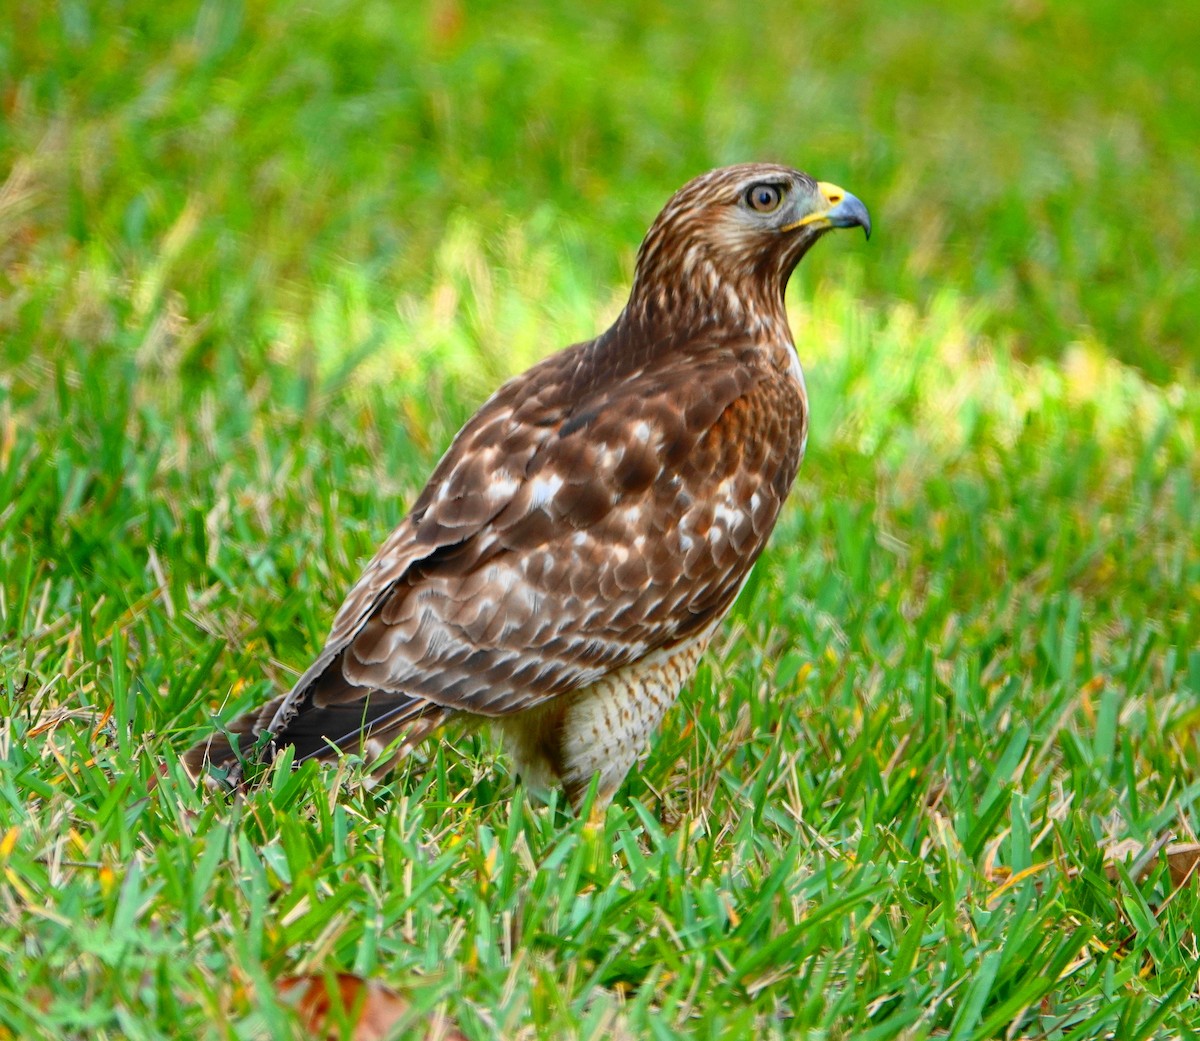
688 295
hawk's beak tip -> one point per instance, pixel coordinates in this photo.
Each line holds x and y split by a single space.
849 213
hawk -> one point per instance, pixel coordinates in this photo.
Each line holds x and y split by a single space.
582 538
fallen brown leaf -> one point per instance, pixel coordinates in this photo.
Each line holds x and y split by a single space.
1137 857
1183 861
372 1009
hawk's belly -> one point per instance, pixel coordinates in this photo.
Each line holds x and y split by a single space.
602 728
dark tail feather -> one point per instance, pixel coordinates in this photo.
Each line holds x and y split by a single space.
228 748
369 725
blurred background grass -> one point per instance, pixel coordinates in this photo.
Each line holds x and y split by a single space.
262 172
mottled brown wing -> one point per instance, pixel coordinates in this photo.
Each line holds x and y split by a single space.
575 525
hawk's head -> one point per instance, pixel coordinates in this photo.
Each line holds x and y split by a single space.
726 243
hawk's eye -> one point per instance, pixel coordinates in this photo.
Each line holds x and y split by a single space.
764 198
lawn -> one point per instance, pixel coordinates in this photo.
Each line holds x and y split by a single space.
259 261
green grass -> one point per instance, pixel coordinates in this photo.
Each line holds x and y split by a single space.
256 266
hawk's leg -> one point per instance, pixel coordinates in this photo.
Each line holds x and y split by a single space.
601 729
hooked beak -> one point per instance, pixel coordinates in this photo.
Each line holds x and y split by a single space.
840 210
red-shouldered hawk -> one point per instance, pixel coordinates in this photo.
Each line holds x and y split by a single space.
587 530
